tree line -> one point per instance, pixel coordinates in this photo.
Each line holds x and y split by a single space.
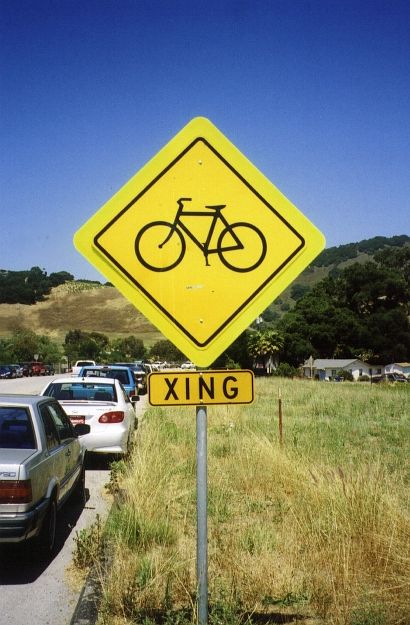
29 287
361 312
23 344
339 254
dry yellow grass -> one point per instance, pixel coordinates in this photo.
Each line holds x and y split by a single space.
73 306
319 528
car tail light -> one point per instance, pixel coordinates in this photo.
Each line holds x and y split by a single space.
115 416
12 491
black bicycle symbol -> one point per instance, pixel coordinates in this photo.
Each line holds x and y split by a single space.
169 237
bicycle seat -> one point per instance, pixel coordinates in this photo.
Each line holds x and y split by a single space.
216 207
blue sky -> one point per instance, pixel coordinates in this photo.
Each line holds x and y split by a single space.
316 94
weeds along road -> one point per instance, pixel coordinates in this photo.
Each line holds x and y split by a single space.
46 593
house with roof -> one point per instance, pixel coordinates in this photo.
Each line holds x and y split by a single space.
329 368
398 367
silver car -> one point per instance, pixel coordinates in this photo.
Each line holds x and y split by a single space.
41 466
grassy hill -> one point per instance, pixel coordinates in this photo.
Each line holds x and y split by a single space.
92 307
78 305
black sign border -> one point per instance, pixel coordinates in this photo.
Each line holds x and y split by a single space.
147 294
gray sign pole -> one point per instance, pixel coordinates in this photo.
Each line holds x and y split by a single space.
201 514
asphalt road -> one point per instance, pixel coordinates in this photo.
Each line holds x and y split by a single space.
44 594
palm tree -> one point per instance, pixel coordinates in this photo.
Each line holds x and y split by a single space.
264 347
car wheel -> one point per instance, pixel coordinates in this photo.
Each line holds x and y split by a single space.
45 541
79 493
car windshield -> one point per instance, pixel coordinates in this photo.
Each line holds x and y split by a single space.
118 374
16 429
82 391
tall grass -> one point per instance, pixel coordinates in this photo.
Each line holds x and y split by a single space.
318 527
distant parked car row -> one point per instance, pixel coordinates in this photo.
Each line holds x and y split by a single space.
27 369
43 442
140 371
10 371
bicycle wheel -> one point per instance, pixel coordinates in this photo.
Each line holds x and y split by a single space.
159 247
241 247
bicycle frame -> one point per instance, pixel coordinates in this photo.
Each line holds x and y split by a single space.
215 215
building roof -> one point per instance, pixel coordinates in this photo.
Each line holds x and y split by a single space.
331 363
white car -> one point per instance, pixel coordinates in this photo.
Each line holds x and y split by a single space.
101 403
80 364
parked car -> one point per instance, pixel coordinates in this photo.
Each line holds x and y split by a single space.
33 368
25 367
139 372
103 404
123 374
80 364
5 372
12 369
188 365
18 371
389 377
49 370
41 466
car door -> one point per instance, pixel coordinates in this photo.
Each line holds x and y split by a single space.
68 455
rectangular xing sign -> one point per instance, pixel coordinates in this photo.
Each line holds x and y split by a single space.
196 388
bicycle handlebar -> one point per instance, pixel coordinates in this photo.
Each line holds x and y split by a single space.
183 199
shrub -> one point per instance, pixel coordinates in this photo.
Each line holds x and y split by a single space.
347 376
285 370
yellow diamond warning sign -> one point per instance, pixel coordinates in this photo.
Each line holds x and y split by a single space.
200 241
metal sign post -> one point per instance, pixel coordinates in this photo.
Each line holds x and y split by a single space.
201 514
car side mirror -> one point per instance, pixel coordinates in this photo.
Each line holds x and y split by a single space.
134 399
81 428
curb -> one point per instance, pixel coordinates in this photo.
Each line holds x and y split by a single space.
86 610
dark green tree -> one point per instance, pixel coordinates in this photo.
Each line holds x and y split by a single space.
236 355
6 352
60 277
24 343
165 350
79 344
363 309
299 290
127 349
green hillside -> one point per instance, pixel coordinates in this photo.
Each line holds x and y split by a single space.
331 262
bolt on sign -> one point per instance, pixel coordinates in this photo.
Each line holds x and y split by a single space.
196 388
199 241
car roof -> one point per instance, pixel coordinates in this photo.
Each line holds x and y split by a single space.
89 378
105 367
128 365
20 398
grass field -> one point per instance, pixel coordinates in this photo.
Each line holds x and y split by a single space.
314 531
